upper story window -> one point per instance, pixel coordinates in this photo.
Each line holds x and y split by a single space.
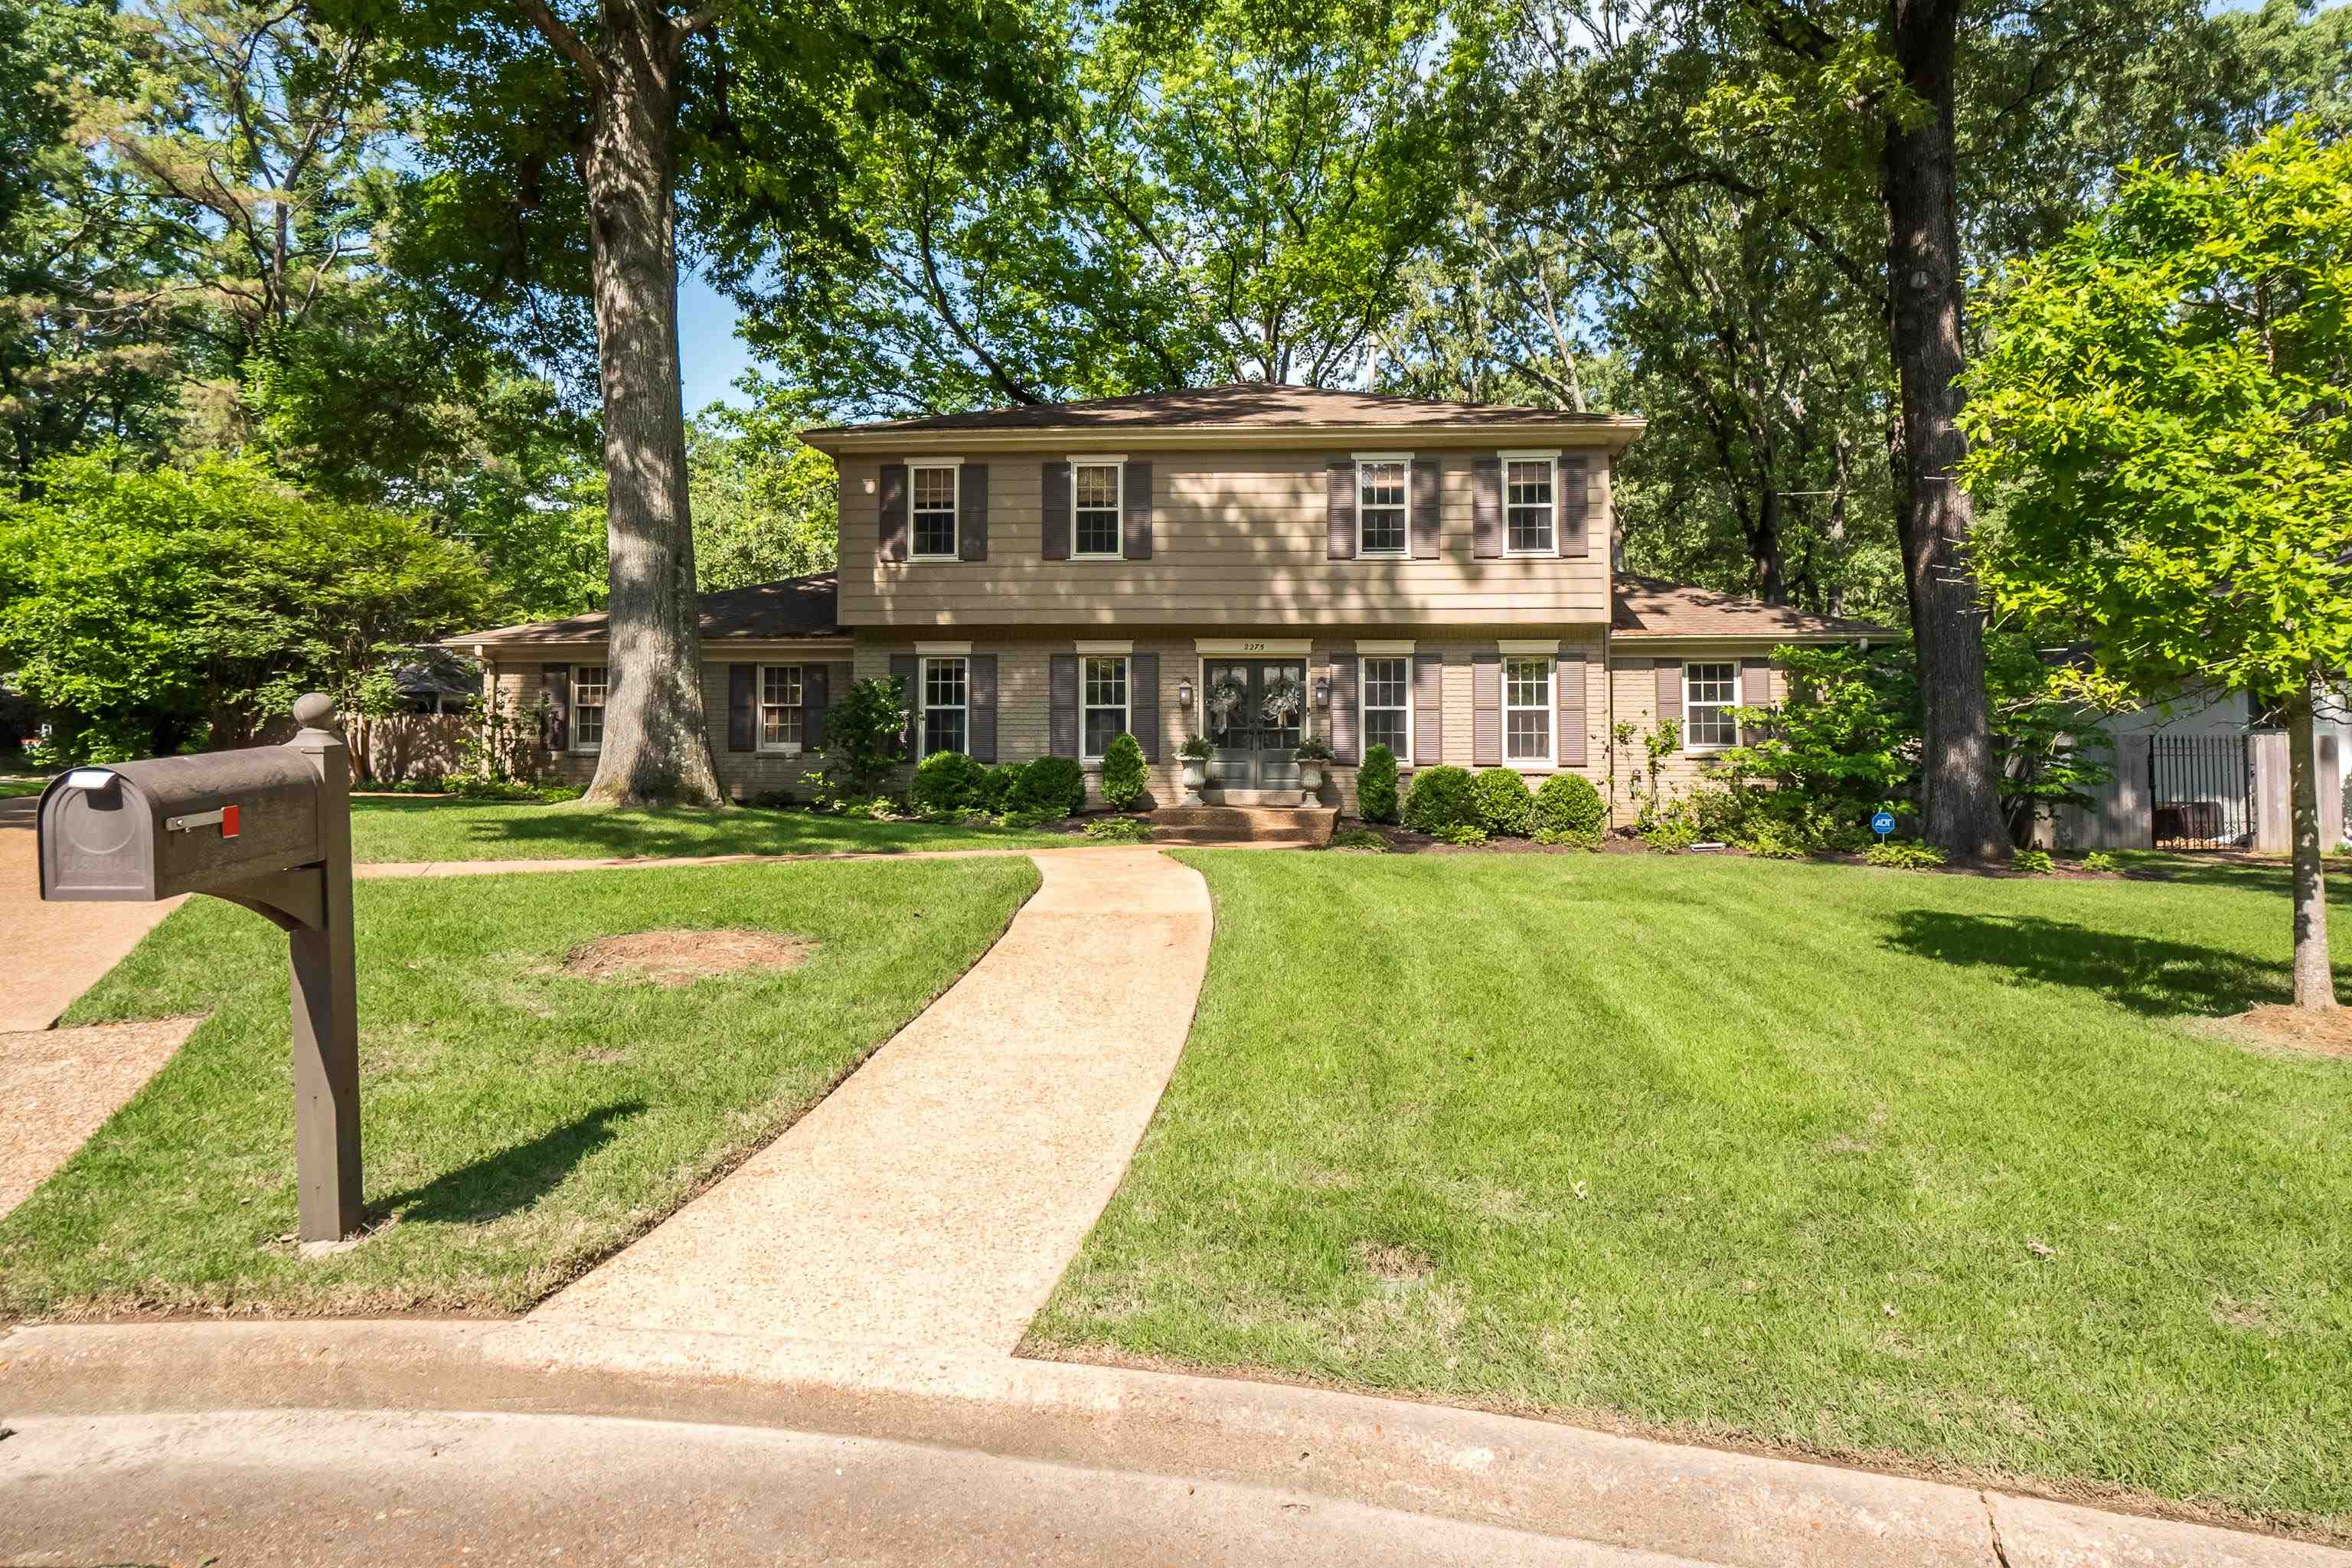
1105 703
780 708
947 687
1530 503
934 512
589 683
1710 692
1388 706
1094 497
1380 505
1526 709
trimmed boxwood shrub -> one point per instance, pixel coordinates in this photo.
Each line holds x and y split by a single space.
1123 779
950 781
1441 797
1505 805
1050 785
997 785
1376 785
1569 806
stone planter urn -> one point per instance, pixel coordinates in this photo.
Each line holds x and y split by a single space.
1196 778
1311 781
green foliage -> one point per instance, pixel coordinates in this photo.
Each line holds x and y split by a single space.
1773 840
865 735
1441 797
2099 860
1362 838
1505 806
1670 830
1123 778
1196 749
2034 862
1567 838
1050 787
765 506
1376 785
1568 805
1468 835
1313 749
154 601
1118 830
1903 854
998 786
949 782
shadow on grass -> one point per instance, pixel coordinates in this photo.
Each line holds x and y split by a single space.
498 1184
2246 872
2157 978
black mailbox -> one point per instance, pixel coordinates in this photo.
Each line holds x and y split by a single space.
155 829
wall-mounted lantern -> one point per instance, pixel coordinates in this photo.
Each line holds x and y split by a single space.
1184 695
1323 692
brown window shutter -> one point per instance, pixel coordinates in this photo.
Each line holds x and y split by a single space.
1339 508
1568 696
1670 689
893 485
1054 487
1575 498
1347 737
1755 691
1486 509
742 707
1062 692
1427 508
816 696
555 706
1485 709
972 511
1428 709
907 674
1135 511
979 697
1143 702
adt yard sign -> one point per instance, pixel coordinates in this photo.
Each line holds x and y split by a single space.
1883 823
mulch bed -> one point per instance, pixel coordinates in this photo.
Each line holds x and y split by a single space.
2277 1027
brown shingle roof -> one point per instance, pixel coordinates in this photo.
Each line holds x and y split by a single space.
794 607
1246 404
1652 606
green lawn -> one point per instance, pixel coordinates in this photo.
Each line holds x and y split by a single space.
1901 1168
12 788
393 828
521 1122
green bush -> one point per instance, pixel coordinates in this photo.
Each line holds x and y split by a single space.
1904 856
479 786
865 734
1441 797
2034 862
556 795
1671 831
1360 838
2100 860
1469 835
950 781
1051 786
1553 837
1505 806
1376 786
1123 778
997 785
1568 804
1771 840
1119 830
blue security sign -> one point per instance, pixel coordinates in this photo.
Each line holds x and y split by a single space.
1883 822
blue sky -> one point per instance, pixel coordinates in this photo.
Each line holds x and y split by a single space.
711 355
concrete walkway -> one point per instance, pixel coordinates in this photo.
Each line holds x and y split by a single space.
937 1195
51 954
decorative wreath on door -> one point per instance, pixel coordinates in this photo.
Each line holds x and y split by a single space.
1225 698
1283 701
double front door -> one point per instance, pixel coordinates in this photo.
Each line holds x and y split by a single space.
1253 708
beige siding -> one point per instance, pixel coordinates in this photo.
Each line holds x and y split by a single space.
1633 694
1238 539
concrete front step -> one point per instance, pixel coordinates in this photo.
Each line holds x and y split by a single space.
1242 823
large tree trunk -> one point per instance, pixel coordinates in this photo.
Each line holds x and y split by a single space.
655 748
2314 983
1961 803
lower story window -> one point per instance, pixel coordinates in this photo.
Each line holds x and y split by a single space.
1106 703
1387 715
589 685
780 708
1709 693
1526 709
946 687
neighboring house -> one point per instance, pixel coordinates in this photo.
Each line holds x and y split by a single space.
1254 562
2206 770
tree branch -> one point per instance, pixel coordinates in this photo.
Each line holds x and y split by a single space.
567 43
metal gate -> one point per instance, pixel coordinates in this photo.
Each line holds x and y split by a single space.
2201 791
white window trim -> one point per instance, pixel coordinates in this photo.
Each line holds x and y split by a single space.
1402 551
955 492
1549 761
572 713
923 663
1127 689
1547 455
760 713
1117 462
1370 651
1739 677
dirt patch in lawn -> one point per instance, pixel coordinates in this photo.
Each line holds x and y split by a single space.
2276 1027
1393 1263
683 957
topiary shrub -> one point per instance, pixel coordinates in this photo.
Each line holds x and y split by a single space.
950 781
997 786
1441 797
1571 810
1052 785
1123 778
1505 806
1376 786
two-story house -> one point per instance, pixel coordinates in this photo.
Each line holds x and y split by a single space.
1252 562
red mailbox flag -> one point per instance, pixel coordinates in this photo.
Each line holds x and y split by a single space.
229 821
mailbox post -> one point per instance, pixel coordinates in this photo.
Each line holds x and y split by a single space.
271 828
